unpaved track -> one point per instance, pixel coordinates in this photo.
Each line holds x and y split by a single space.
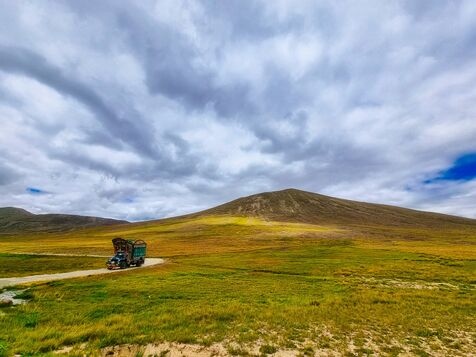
72 274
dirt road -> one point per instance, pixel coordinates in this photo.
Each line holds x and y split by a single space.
72 274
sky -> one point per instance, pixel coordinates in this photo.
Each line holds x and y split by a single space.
148 109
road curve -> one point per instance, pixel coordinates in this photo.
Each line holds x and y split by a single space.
72 274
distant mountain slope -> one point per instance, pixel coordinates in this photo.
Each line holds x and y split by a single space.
17 220
293 205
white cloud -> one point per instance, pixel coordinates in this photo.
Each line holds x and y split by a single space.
160 108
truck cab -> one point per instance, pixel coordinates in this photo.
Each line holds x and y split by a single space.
119 260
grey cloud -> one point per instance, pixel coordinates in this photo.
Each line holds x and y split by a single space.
174 64
171 72
133 131
237 22
8 98
7 174
96 136
177 66
23 61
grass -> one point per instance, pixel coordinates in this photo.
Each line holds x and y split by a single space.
16 265
170 238
258 287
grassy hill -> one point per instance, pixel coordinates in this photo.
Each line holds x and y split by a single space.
283 273
16 220
293 205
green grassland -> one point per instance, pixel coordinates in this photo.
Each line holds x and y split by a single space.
257 287
16 265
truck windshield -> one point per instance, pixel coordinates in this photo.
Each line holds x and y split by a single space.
120 255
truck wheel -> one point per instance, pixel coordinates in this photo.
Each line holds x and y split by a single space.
122 265
139 263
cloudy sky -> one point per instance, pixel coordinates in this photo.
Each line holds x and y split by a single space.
139 110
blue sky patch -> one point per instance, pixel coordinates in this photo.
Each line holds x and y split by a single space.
34 191
463 169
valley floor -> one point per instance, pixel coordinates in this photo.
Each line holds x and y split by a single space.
263 289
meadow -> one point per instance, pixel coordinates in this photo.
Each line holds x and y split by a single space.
16 265
257 287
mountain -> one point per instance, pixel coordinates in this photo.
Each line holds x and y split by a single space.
17 220
288 205
292 205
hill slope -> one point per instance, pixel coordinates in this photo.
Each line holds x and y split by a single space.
293 205
17 220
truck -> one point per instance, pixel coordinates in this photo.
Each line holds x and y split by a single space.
127 253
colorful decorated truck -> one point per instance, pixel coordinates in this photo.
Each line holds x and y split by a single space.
127 253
